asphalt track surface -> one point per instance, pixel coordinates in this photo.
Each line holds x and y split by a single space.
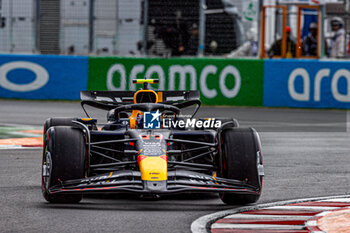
306 154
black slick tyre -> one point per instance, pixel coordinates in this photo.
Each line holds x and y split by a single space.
64 158
58 121
241 159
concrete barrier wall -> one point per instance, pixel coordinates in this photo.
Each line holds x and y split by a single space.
245 82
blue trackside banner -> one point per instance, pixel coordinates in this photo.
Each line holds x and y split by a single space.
42 76
283 83
307 83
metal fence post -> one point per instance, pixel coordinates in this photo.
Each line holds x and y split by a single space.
321 31
11 26
145 24
117 25
37 28
91 26
201 44
259 19
1 22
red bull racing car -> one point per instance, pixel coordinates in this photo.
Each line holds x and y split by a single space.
148 147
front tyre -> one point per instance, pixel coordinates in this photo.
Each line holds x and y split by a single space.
63 159
241 159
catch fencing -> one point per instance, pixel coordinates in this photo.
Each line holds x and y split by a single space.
153 28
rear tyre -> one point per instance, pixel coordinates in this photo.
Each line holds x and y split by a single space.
63 159
58 121
241 160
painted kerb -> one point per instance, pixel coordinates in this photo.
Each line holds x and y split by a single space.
221 81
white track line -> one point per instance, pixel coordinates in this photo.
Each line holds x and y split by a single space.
346 200
17 147
324 213
302 208
264 216
257 226
312 223
10 146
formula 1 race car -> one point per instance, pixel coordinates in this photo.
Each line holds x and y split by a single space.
148 147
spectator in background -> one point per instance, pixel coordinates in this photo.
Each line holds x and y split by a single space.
71 50
309 44
175 37
249 48
276 47
139 46
191 47
213 46
338 39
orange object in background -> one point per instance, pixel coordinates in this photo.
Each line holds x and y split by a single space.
263 30
299 39
285 51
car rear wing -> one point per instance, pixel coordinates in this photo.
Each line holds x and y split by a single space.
127 97
108 100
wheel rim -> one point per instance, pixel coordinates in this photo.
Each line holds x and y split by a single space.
260 168
46 170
